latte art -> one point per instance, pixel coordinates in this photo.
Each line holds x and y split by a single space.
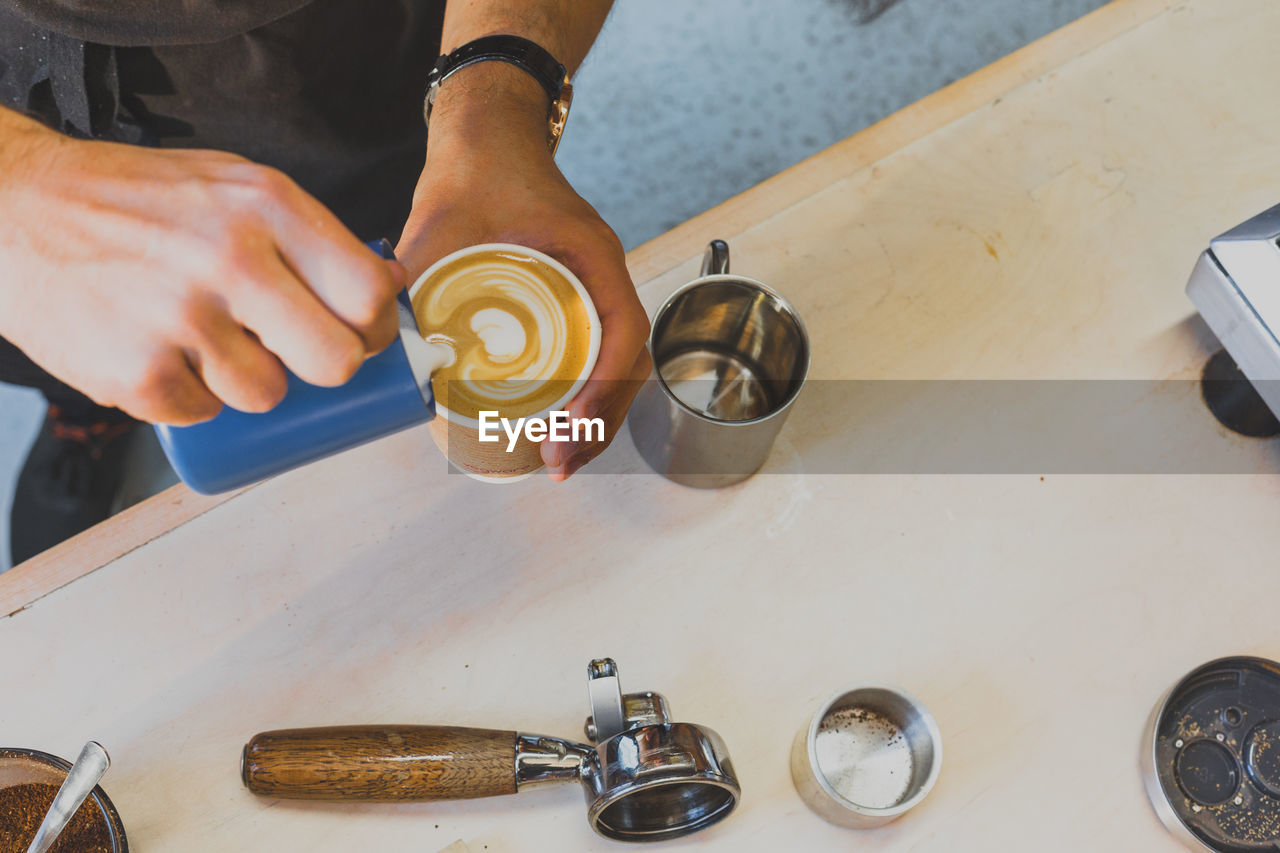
519 329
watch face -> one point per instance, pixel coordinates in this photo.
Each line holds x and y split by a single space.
559 116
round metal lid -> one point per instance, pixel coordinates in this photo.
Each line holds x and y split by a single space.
1216 754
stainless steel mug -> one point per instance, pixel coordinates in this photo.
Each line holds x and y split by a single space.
730 357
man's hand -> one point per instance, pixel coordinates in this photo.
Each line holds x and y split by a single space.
170 282
490 178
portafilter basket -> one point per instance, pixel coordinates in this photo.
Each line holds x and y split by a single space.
645 778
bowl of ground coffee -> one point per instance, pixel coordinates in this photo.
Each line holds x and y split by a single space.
29 779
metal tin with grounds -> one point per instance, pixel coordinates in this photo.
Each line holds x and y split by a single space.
1211 757
880 759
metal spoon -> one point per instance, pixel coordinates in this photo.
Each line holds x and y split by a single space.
79 784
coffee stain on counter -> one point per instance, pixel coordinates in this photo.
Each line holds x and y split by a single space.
988 242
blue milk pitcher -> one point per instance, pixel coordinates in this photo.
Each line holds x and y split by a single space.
391 391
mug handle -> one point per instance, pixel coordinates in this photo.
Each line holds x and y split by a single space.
716 260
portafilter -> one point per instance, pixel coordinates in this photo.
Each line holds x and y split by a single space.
645 778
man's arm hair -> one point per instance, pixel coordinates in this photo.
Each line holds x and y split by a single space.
18 133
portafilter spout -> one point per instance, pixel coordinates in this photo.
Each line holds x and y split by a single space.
645 778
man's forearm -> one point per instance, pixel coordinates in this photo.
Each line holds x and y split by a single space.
19 136
489 177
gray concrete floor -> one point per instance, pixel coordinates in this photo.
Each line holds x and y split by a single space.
683 104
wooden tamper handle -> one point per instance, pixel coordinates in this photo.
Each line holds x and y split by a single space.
381 763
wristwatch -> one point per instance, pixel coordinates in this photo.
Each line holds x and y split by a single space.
523 54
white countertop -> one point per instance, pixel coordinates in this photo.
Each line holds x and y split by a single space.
1036 221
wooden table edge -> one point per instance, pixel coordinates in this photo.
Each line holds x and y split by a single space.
97 547
28 582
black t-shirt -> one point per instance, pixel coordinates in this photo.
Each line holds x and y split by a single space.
329 91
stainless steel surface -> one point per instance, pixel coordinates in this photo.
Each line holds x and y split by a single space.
1251 257
1236 288
650 783
716 259
730 356
605 695
81 779
544 760
884 730
653 779
620 712
639 709
659 782
1151 782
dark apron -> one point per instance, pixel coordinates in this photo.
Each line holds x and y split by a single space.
329 91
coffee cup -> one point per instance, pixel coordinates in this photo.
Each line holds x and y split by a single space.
525 336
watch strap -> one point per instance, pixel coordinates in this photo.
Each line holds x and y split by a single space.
525 54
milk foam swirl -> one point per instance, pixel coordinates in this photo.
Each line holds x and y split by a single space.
519 329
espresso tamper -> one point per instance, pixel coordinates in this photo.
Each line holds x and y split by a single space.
645 777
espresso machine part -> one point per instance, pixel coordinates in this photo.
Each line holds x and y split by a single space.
1211 757
1236 288
645 777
